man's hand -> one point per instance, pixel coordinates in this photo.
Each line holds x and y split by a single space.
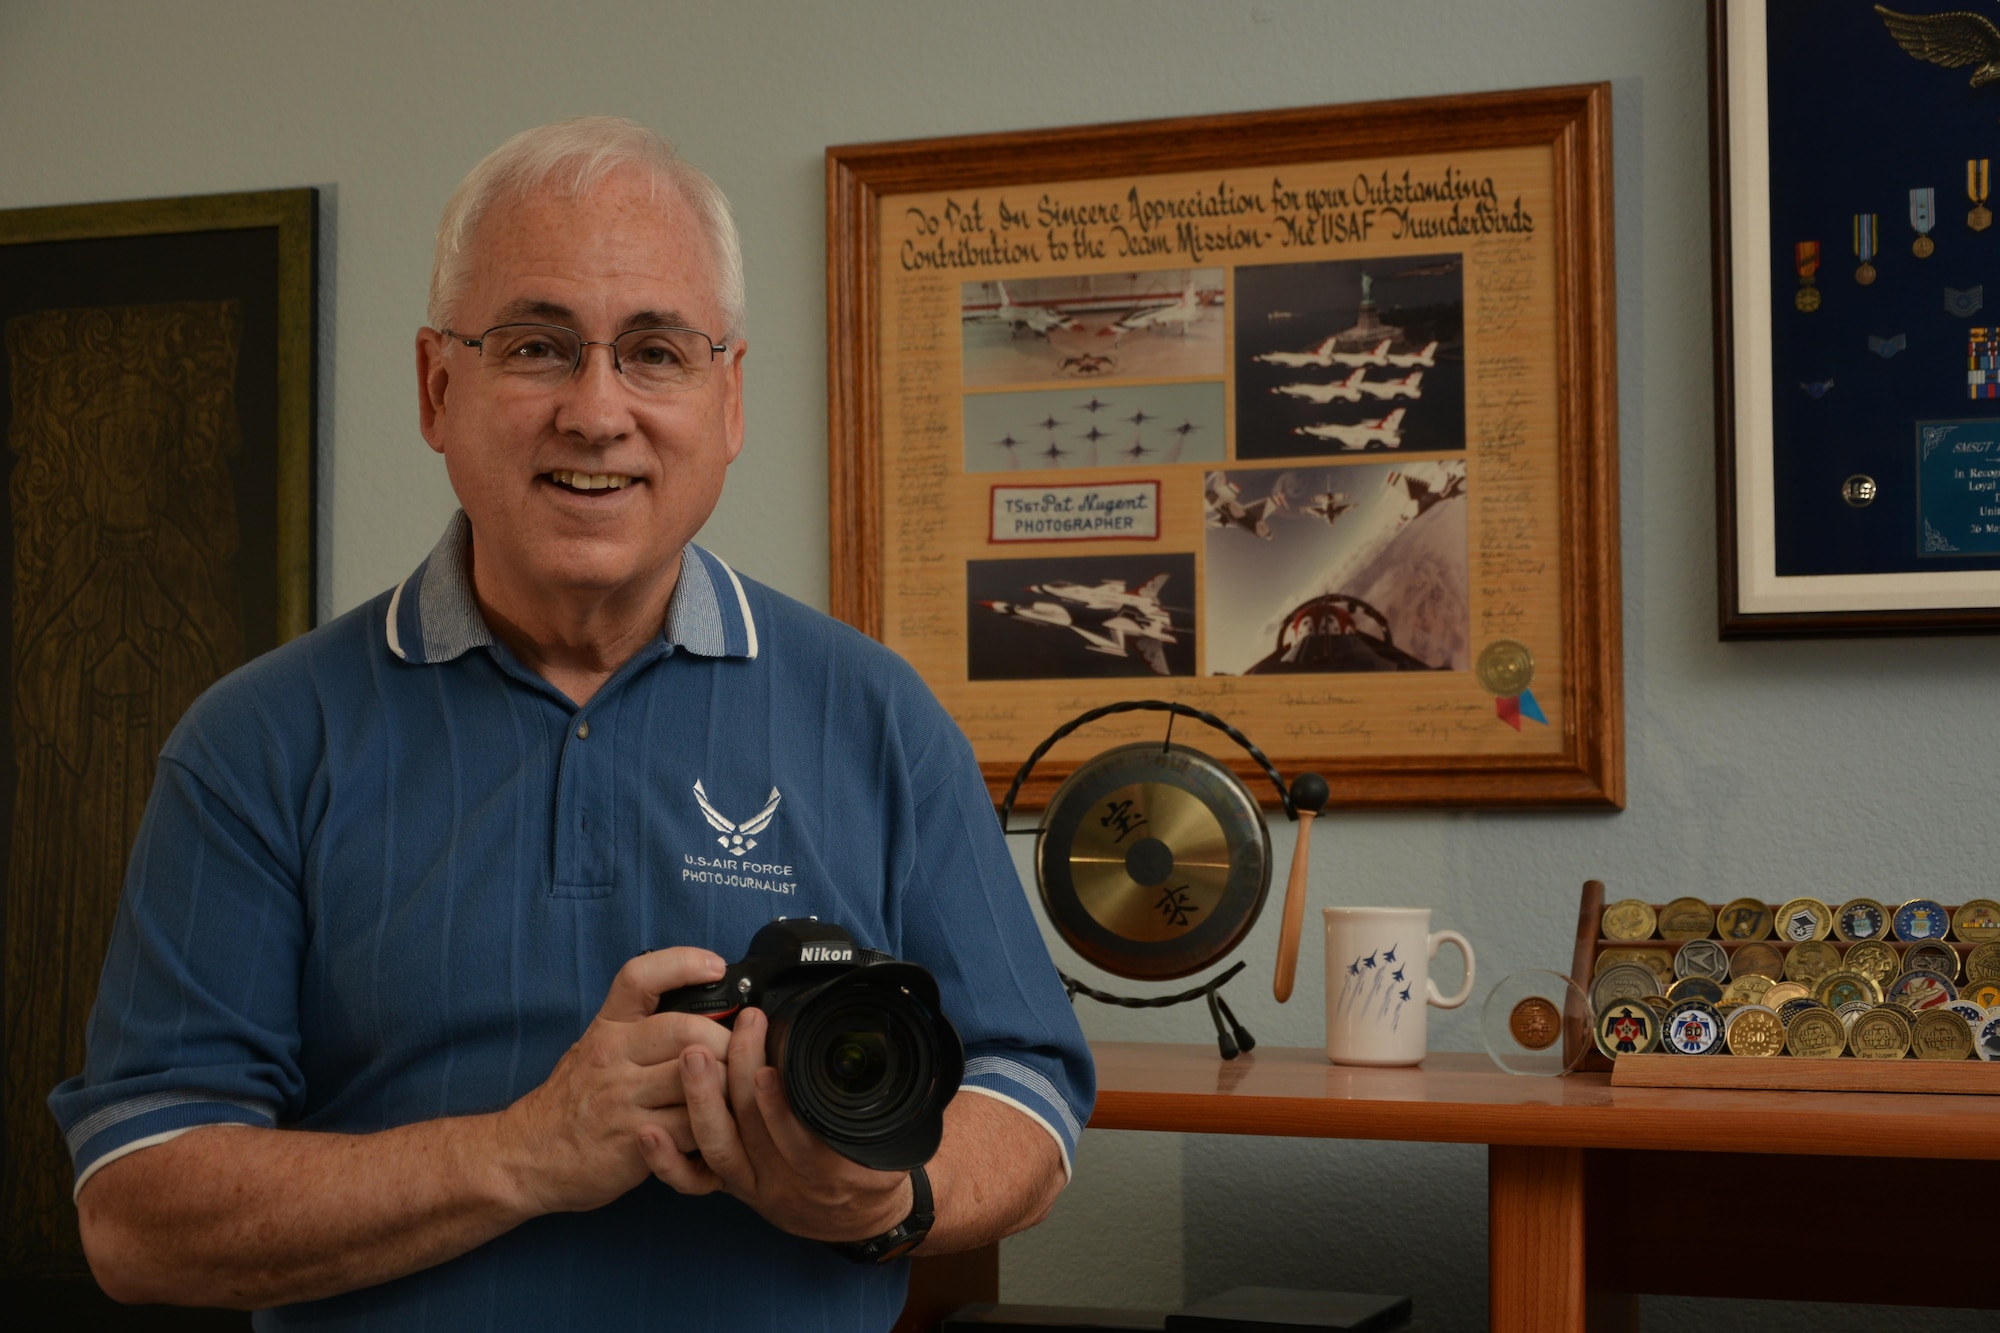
753 1146
575 1142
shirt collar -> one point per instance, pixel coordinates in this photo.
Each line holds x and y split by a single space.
433 618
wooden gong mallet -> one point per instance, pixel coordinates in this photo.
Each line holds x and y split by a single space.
1309 793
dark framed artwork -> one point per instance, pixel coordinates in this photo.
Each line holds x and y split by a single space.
1857 318
1305 417
156 397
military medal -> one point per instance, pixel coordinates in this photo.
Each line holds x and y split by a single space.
1805 258
1923 210
1864 247
1980 218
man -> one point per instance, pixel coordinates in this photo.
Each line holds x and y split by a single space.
373 1044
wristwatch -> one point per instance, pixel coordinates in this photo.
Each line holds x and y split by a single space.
900 1239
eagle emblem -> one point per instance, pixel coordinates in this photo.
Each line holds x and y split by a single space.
1952 40
737 838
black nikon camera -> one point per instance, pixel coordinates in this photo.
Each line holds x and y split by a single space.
867 1057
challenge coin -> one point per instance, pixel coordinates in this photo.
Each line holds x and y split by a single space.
1791 1009
1702 958
1695 988
1815 1034
1659 1004
1974 1014
1932 956
1977 921
1754 1030
1941 1035
1627 1027
1804 919
1989 1039
1627 981
1660 962
1983 963
1852 1010
1918 991
1921 919
1783 991
1860 919
1844 987
1686 919
1757 960
1747 919
1535 1023
1883 1033
1876 958
1749 989
1693 1028
1985 994
1628 919
1810 961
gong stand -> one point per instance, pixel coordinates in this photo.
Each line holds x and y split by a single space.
1215 827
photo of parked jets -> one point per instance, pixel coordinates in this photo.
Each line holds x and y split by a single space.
1101 326
1138 425
1337 568
1350 356
1079 618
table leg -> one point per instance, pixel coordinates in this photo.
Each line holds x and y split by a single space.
1534 1240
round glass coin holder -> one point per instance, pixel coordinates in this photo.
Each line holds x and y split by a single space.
1517 989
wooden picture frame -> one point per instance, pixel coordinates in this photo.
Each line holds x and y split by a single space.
1816 391
157 362
943 253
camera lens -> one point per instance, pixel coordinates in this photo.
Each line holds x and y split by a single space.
856 1062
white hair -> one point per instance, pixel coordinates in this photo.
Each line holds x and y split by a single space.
578 154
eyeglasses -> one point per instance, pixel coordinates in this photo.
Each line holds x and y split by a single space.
664 360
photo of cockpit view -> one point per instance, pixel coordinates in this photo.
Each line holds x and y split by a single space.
1350 356
1353 567
1167 324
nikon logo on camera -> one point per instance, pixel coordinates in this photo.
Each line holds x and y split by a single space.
825 953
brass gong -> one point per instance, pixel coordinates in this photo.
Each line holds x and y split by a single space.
1153 861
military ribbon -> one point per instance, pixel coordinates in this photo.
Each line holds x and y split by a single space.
1979 219
1805 258
1864 247
1923 215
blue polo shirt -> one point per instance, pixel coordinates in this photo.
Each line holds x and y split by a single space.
387 874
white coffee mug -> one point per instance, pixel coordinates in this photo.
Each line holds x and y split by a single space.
1378 983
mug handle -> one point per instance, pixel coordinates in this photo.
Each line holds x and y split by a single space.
1465 991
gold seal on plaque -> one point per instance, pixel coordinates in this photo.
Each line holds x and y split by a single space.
1940 1034
1755 1030
1816 1034
1883 1033
1743 919
1505 667
1686 919
1628 919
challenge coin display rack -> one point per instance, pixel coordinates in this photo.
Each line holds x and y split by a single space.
1853 995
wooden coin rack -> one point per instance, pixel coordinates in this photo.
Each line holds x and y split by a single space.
1668 1070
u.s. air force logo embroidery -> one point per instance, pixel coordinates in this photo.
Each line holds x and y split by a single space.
737 838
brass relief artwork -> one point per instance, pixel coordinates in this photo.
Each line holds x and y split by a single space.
125 608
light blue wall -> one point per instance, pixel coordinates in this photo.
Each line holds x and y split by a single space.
1823 768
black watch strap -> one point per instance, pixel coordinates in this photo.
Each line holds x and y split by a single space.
900 1239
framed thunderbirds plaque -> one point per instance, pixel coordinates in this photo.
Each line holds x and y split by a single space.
1857 339
1305 418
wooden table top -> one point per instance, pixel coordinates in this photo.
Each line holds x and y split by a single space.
1464 1098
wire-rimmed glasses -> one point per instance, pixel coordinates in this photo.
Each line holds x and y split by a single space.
659 360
